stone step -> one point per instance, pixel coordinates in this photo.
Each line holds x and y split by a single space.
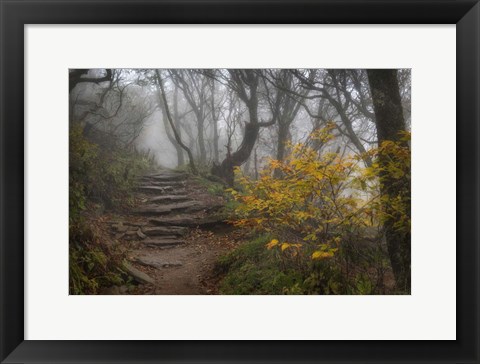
161 190
132 235
156 262
188 206
188 221
137 274
173 184
154 189
169 198
115 224
165 237
163 242
164 177
165 230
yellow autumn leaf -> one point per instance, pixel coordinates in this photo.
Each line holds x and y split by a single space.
321 255
285 246
272 243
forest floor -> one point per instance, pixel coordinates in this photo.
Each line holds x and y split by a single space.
173 237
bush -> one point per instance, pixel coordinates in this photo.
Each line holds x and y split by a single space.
320 201
104 175
92 264
251 269
324 216
98 175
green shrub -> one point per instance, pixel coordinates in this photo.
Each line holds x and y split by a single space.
92 265
98 175
253 269
105 175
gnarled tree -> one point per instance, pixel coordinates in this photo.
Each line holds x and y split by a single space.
246 84
390 122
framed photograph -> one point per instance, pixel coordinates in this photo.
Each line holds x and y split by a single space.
239 181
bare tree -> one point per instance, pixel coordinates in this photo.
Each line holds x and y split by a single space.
172 124
328 86
246 84
214 120
166 124
75 76
118 111
284 104
194 84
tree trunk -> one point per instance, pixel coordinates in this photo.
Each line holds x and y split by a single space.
283 137
172 125
75 77
168 131
215 125
390 122
256 164
241 77
225 169
176 117
201 138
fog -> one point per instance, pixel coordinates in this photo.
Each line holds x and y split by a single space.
219 114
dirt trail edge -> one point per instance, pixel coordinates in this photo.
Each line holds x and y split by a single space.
173 237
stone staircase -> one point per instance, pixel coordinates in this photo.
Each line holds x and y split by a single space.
172 204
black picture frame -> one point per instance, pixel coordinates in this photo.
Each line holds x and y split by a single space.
15 14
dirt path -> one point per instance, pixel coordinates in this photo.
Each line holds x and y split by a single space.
173 238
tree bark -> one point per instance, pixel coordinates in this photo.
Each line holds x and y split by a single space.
195 94
75 77
242 79
215 125
176 117
226 168
390 122
172 125
201 138
283 138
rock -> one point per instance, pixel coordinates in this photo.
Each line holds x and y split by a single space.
167 172
111 291
169 198
131 233
188 206
138 275
188 221
136 223
155 189
141 235
162 242
150 182
120 228
165 230
161 190
156 262
163 177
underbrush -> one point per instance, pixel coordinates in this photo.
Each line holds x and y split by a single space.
101 177
213 185
254 269
102 174
93 262
324 214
